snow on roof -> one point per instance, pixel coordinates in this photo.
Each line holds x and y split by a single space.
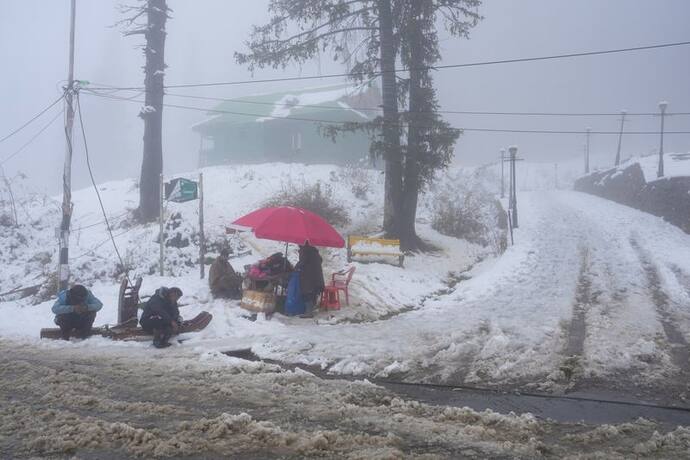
322 103
208 120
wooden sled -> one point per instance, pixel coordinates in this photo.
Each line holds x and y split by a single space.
129 329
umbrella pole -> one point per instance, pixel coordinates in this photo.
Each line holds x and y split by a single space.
286 259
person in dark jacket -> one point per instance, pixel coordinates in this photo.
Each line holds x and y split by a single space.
161 316
222 279
75 310
311 277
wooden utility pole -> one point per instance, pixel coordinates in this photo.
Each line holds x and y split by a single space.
620 138
660 171
63 271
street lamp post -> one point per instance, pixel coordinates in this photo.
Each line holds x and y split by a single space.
589 130
620 138
662 107
513 187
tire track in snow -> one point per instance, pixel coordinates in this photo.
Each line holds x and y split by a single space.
682 277
577 330
679 351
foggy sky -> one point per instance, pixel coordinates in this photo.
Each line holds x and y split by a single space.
203 34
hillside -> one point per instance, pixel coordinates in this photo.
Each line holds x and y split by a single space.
30 253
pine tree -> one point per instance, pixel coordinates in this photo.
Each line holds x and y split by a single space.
430 140
391 29
156 13
299 29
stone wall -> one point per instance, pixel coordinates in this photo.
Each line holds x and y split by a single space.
668 198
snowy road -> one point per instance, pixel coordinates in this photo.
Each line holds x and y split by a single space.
591 291
88 405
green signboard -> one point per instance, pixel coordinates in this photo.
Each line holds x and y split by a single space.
180 190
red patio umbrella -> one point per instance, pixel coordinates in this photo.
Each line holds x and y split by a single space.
291 225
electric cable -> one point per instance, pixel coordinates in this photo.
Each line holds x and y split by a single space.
95 224
438 67
32 119
459 112
98 194
335 122
35 136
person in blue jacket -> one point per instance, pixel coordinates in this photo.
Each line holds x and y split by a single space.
75 310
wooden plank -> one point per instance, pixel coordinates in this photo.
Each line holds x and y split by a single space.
129 329
55 333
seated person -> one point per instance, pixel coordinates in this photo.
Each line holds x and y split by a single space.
75 310
161 316
222 279
270 268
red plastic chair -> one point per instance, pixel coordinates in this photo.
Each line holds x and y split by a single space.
340 281
330 298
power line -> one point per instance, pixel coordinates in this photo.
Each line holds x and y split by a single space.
114 90
98 245
95 224
98 194
459 112
439 67
314 120
35 136
32 119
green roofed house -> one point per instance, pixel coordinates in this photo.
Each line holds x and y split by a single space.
285 127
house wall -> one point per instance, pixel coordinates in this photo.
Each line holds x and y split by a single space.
235 144
301 142
288 141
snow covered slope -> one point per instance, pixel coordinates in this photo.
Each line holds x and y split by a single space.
29 252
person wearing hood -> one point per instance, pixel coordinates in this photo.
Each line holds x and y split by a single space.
161 316
75 310
311 277
222 279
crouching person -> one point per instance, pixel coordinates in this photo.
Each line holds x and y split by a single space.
222 279
161 316
75 310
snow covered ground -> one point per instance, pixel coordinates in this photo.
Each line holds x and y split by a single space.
591 290
377 289
675 164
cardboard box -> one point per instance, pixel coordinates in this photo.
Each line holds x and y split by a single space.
258 301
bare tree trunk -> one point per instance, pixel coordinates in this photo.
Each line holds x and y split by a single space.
152 112
391 129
